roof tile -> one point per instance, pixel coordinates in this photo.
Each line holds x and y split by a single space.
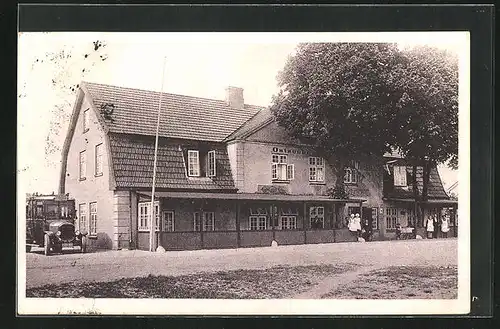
183 117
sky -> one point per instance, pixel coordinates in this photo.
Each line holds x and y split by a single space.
196 64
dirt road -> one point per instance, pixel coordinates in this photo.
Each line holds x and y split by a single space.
113 265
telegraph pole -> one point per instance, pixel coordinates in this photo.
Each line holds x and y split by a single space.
153 210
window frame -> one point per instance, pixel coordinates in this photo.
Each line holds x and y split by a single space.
86 120
163 223
403 177
146 216
316 208
281 170
200 221
98 160
391 216
316 165
211 164
196 165
82 206
82 165
352 173
93 219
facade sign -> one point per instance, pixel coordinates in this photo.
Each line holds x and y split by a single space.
284 150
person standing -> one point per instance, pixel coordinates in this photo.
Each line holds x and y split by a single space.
350 225
357 224
445 227
430 227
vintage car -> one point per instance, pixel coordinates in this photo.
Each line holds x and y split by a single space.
54 236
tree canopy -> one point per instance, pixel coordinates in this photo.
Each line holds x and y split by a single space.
351 99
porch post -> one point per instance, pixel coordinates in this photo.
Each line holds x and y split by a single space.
333 219
238 236
361 210
202 221
273 220
304 221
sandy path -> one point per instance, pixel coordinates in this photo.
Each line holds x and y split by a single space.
113 265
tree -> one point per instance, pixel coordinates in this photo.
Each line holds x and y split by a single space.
427 111
50 73
351 99
335 96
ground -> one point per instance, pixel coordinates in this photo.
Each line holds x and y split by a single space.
385 269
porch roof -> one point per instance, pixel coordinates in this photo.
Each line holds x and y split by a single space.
249 196
432 201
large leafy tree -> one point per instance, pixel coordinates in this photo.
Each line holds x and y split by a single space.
335 96
351 99
426 115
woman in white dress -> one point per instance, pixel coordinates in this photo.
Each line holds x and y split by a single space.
445 227
430 226
357 224
350 225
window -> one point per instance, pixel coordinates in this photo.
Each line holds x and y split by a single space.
144 215
391 218
86 120
280 169
208 221
193 163
316 169
317 217
288 219
83 165
168 221
64 211
411 217
351 173
211 164
400 176
98 160
375 218
82 220
258 219
93 218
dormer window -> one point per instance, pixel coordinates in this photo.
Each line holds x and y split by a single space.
201 163
400 176
86 120
193 163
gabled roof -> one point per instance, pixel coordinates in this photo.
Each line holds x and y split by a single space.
435 188
260 120
185 117
132 160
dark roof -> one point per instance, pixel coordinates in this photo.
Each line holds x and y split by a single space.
260 119
435 188
183 117
133 156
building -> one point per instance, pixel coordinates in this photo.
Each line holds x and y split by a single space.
227 176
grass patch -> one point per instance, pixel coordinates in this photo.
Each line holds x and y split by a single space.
275 282
402 282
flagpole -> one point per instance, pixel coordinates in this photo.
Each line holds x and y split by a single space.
152 225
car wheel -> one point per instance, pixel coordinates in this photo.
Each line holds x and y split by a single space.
46 245
84 244
28 248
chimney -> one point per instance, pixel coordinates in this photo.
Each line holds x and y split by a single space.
234 97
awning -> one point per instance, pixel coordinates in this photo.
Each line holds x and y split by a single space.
249 196
432 201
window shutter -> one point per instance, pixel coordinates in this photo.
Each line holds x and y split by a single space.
290 172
